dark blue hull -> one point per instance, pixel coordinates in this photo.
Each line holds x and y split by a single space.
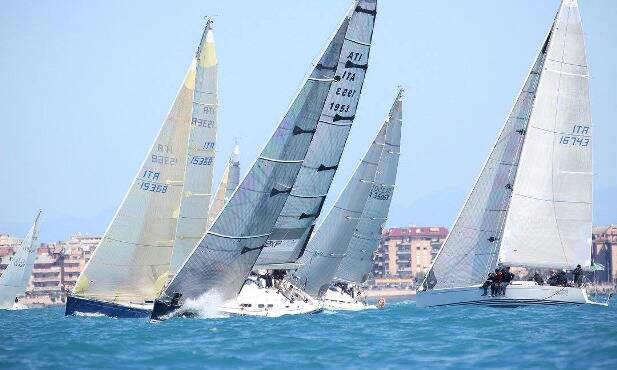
75 305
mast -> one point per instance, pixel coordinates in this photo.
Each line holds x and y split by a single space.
229 183
201 153
550 218
14 280
304 204
224 257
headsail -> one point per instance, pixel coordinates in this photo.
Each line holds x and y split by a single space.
14 279
229 183
550 217
330 243
470 250
224 257
131 262
358 260
196 194
303 206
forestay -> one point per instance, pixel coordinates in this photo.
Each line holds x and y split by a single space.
329 243
131 262
15 277
229 183
196 194
471 248
358 260
303 206
224 257
550 218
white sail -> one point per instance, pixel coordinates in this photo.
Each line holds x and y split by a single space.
14 279
329 244
550 217
358 260
293 227
224 257
131 263
196 194
229 183
471 248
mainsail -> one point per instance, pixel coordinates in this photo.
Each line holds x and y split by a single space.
229 183
14 279
330 243
196 194
131 262
550 217
303 206
224 257
472 248
358 260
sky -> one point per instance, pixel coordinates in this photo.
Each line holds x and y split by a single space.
85 86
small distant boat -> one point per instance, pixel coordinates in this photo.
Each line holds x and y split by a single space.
269 210
165 208
339 256
14 279
531 205
229 183
347 55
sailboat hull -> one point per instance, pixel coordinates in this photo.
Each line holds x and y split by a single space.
335 300
76 306
519 293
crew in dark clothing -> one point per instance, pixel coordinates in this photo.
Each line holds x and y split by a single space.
488 283
562 278
496 282
578 275
538 279
506 279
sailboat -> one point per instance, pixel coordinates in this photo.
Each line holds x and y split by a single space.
229 183
14 279
266 292
323 110
132 263
340 254
531 205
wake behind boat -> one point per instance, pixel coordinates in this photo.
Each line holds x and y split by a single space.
531 206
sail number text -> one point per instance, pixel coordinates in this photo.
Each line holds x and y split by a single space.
579 136
152 186
202 161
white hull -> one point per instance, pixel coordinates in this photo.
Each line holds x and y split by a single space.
255 300
335 300
519 293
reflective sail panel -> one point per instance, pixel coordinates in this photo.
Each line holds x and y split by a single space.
131 262
16 276
358 260
196 194
471 248
550 218
224 257
328 245
229 183
304 204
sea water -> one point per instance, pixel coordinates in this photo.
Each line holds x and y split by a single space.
398 336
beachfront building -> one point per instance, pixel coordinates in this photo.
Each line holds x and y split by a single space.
405 253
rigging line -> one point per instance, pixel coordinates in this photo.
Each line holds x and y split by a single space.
141 245
558 133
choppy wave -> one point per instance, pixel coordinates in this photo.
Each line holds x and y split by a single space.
398 336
